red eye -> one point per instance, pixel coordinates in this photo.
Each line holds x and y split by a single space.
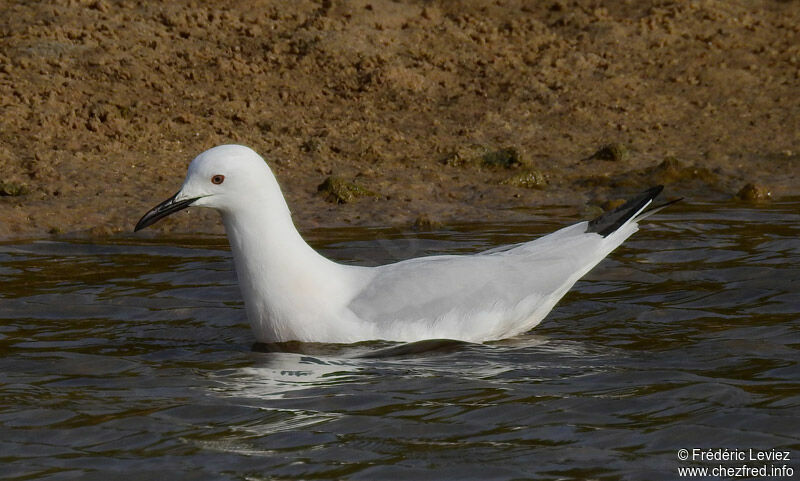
217 179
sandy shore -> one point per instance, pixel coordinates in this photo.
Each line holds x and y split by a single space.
443 111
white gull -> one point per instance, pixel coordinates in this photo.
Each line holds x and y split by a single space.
291 292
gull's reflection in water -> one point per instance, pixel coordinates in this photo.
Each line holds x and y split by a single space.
280 371
276 374
305 390
279 394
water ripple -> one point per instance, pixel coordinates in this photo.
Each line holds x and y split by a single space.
135 357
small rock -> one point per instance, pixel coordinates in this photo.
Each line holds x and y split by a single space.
591 211
465 154
480 155
12 189
341 191
432 13
530 179
508 158
100 5
753 193
184 118
615 152
424 223
312 145
103 231
612 204
672 170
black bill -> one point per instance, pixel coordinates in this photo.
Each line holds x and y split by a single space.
169 206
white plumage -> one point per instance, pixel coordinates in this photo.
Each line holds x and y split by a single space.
293 293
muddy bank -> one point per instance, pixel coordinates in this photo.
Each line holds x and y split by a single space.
445 111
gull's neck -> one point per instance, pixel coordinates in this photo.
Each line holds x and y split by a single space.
286 285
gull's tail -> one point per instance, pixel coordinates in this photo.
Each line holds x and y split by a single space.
609 222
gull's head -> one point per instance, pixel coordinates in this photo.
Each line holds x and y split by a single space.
221 178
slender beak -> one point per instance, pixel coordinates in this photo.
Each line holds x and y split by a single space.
169 206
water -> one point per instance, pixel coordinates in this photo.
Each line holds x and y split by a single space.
134 359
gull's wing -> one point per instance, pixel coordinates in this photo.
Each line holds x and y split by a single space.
494 294
478 297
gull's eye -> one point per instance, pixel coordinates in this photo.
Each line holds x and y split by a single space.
217 179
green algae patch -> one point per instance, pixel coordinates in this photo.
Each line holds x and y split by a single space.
669 171
753 193
611 204
342 191
615 152
529 179
672 170
506 158
12 189
425 223
601 180
465 155
476 155
591 211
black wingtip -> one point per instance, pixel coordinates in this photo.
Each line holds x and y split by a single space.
611 221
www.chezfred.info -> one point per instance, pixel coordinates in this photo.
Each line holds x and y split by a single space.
736 463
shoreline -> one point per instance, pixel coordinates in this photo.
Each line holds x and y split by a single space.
443 112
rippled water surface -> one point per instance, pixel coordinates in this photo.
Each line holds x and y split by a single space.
134 358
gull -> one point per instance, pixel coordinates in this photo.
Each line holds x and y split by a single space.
291 292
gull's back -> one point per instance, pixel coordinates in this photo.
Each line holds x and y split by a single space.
483 296
494 294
